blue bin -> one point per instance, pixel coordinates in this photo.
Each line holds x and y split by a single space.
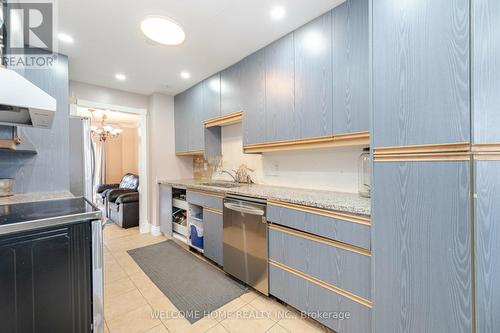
196 237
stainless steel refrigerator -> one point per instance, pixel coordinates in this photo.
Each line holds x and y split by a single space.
82 158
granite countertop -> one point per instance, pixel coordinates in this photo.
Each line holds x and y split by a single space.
35 196
339 201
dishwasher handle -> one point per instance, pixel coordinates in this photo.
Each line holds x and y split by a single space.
244 209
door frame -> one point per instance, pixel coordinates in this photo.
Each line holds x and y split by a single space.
144 226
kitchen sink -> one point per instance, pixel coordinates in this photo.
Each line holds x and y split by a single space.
222 184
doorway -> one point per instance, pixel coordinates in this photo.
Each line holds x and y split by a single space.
129 125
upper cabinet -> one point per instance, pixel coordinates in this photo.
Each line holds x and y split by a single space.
253 98
486 71
313 78
421 52
230 85
181 122
280 90
351 67
211 97
195 111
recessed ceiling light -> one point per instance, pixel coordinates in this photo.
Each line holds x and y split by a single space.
163 30
277 13
65 38
120 77
185 75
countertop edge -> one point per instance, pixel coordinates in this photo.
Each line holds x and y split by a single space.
334 207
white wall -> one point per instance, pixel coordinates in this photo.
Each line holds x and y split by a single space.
332 169
90 92
163 164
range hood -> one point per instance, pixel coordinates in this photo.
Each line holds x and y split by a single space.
24 104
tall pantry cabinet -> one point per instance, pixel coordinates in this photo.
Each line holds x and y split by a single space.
436 171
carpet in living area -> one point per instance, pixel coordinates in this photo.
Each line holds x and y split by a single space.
194 286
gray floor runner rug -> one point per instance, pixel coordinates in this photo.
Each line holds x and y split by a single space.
195 287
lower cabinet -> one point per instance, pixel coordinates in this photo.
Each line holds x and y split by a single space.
165 207
213 236
327 280
45 280
487 245
421 247
319 302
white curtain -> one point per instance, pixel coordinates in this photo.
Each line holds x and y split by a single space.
100 162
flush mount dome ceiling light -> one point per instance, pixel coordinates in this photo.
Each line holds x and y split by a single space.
162 30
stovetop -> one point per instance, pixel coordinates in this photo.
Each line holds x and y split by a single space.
45 210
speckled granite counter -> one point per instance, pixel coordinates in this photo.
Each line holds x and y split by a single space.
36 196
339 201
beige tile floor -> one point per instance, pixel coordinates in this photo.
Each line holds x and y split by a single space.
130 298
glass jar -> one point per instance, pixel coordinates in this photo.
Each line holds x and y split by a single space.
364 174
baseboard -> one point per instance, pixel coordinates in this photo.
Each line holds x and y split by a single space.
155 230
144 228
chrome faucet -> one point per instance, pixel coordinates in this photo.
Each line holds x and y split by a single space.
241 175
229 173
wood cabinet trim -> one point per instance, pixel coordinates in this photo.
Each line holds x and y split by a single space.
323 212
423 157
323 284
431 148
487 156
213 210
190 153
227 119
486 147
321 240
342 140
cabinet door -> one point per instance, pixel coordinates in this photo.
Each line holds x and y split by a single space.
45 280
313 78
421 247
165 204
350 67
421 72
486 71
211 97
230 81
253 96
280 107
181 122
487 243
213 236
195 111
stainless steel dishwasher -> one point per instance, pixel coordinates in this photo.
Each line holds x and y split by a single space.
245 241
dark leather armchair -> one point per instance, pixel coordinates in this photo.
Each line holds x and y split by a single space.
107 192
123 209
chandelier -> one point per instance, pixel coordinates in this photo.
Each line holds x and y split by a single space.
104 131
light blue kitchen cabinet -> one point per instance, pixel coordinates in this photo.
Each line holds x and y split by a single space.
165 209
421 72
281 121
313 78
211 97
230 85
329 308
421 247
253 97
181 121
486 71
195 114
213 236
323 260
487 245
351 67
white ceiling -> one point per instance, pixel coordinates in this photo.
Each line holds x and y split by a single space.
219 33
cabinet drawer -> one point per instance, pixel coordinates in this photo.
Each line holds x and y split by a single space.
340 265
342 227
319 301
206 199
